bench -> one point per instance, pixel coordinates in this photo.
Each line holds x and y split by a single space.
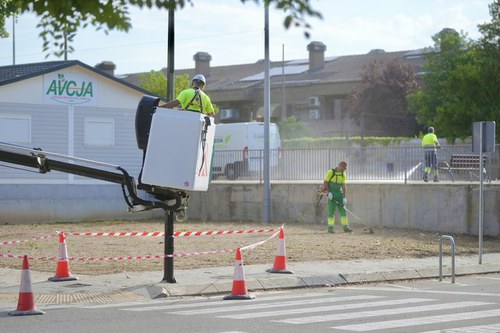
463 162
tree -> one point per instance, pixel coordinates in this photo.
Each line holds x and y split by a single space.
291 128
7 8
461 83
156 82
61 19
379 101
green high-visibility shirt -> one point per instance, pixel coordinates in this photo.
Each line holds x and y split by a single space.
335 180
186 96
429 139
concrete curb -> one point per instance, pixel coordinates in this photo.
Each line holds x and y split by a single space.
291 282
218 280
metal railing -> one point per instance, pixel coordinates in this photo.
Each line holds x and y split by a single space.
364 163
452 243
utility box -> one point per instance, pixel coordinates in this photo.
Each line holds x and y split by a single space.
179 150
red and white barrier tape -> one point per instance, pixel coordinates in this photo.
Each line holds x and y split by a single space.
162 234
253 246
117 234
25 240
219 232
145 234
175 255
161 256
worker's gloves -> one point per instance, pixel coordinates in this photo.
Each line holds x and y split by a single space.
344 201
330 195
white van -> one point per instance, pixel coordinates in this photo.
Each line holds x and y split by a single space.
239 149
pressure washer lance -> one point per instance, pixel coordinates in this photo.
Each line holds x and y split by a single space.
368 228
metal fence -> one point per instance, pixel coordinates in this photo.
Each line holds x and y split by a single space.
364 163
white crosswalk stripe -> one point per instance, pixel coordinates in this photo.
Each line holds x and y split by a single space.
384 312
204 304
476 329
389 324
241 306
325 308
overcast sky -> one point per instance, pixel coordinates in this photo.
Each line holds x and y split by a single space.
233 33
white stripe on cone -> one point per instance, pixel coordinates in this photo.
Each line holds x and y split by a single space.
281 250
239 272
25 286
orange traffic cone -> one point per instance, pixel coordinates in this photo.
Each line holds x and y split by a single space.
239 290
280 259
62 270
26 303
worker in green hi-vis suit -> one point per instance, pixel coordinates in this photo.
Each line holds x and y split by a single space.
334 184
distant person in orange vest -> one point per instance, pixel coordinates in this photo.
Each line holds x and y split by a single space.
431 144
193 98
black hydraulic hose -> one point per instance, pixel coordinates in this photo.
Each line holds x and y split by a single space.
135 199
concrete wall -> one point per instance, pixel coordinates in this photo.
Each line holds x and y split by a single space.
446 208
21 203
440 207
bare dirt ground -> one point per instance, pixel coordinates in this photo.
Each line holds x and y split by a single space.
304 242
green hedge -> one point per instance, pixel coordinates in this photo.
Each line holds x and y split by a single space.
337 142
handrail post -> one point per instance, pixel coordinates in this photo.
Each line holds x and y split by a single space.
452 243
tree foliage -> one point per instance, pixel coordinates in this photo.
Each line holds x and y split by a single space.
7 8
461 84
60 20
379 102
156 82
292 128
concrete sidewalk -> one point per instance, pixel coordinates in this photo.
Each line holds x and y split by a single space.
145 286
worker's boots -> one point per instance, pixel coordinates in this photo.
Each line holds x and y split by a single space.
426 177
347 229
330 229
436 179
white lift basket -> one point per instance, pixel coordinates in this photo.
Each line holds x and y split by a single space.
179 150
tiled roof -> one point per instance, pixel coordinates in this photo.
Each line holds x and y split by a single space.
14 73
335 69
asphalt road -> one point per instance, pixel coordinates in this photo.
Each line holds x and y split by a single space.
470 305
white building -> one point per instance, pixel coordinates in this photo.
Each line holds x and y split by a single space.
68 108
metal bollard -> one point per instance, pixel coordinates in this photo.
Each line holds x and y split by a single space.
452 242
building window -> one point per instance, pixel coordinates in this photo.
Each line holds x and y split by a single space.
99 132
15 128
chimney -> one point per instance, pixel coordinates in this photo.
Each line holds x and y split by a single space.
316 55
107 67
202 63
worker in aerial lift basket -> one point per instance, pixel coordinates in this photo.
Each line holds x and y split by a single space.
334 184
193 98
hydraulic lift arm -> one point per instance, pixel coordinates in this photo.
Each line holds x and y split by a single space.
167 199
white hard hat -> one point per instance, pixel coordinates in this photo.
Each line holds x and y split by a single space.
200 77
